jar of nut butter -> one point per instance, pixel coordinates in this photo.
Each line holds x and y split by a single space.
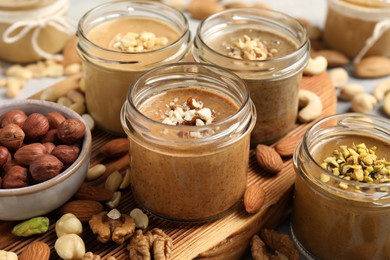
268 50
358 27
31 30
189 127
342 189
119 40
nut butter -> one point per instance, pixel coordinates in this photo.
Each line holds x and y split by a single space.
351 23
189 128
31 30
268 50
342 190
120 40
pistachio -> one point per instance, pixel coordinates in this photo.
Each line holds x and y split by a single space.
37 225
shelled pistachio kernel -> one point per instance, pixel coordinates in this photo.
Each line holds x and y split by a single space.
357 163
137 42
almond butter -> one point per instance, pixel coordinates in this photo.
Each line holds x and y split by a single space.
373 67
254 198
115 148
286 146
268 159
37 250
82 209
70 52
90 192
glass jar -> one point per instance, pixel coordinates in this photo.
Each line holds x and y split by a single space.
333 217
358 28
33 30
273 82
108 72
188 172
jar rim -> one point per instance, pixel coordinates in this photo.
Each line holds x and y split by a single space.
361 119
151 4
246 10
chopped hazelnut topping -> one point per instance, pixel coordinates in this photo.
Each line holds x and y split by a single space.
134 42
247 48
191 112
357 163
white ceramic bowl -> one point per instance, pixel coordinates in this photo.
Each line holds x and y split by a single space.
42 198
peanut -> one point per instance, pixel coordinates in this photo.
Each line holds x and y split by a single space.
114 202
95 172
113 181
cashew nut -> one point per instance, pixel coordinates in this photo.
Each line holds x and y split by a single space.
339 77
386 104
363 103
316 66
8 255
68 224
310 104
70 246
350 90
381 89
141 219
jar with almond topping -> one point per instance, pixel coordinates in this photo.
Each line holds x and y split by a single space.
268 50
31 30
188 127
118 41
358 27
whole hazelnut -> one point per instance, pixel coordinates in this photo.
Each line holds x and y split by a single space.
51 136
26 154
49 147
16 177
67 154
71 131
5 156
9 165
35 126
45 167
11 136
55 119
15 116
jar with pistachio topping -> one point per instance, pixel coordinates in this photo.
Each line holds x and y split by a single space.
342 190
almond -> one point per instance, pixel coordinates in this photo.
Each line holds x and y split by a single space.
82 209
115 148
37 250
202 9
268 159
334 58
90 192
373 67
254 198
286 146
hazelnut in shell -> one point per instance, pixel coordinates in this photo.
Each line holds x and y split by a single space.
55 119
5 156
26 154
35 126
15 116
15 177
71 131
11 136
45 167
67 154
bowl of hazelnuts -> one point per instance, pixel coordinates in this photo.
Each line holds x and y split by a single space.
44 157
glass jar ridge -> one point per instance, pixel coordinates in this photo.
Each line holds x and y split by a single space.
184 177
350 217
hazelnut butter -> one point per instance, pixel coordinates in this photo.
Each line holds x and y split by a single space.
31 30
268 50
189 128
351 23
342 190
118 41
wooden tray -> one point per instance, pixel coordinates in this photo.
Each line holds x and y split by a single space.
226 238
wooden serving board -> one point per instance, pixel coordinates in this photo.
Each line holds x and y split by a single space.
226 238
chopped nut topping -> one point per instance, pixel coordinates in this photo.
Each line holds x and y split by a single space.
134 42
357 163
191 112
247 48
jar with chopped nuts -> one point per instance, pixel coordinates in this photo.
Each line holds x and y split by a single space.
268 50
31 30
118 41
189 128
358 27
342 189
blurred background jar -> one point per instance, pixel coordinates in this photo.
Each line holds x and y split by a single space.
268 50
185 165
350 23
33 29
337 214
118 41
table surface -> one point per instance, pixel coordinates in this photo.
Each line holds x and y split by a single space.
312 10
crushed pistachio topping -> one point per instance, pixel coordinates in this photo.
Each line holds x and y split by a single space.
138 42
358 163
191 112
247 48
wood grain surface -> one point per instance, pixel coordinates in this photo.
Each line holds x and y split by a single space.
225 238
